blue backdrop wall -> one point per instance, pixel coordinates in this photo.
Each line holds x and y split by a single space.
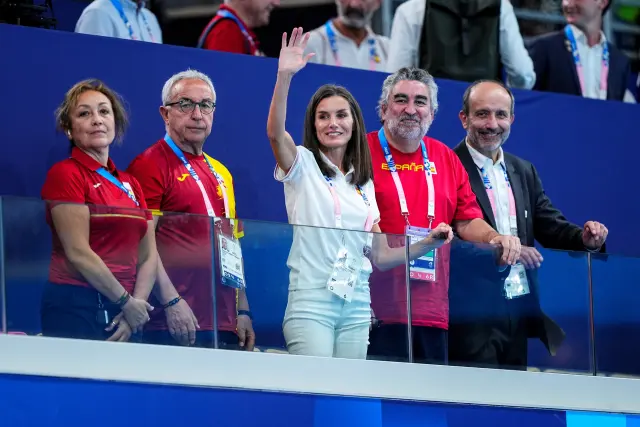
576 144
36 401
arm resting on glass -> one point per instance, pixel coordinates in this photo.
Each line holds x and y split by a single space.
147 264
71 222
386 258
475 230
284 149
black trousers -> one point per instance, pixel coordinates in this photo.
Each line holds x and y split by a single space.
69 311
389 342
500 342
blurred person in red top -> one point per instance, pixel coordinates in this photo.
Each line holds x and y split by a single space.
419 183
230 30
178 177
103 263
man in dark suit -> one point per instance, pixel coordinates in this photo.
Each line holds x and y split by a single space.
556 56
490 322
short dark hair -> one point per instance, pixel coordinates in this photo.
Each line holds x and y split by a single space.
607 7
357 153
120 116
467 94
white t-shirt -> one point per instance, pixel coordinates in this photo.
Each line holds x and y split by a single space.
349 53
309 203
101 18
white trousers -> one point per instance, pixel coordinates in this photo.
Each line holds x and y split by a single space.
318 323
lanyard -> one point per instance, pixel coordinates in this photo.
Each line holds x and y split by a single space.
115 181
513 222
373 54
196 178
337 211
243 29
120 9
604 71
431 203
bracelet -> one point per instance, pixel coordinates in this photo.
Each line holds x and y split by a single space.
172 302
123 299
245 313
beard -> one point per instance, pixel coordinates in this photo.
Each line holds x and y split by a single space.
354 17
399 127
488 140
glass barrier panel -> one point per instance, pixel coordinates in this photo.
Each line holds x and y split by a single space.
183 297
3 300
27 254
563 285
616 314
51 281
517 317
390 333
427 289
308 288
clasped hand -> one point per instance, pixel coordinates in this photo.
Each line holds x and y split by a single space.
439 236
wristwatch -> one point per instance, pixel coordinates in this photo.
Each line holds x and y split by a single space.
245 313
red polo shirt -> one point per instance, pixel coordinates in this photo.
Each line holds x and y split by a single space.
454 200
227 36
116 224
184 241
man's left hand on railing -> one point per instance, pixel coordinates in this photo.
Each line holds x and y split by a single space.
594 234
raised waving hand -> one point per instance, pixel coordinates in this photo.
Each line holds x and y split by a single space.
292 58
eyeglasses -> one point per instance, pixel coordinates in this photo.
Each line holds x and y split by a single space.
187 106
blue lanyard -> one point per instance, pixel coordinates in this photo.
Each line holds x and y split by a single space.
118 5
389 158
604 71
243 29
373 54
487 182
431 197
112 179
178 152
224 14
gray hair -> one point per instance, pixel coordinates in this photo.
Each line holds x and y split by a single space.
414 74
184 75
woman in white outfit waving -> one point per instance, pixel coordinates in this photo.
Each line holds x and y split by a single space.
328 184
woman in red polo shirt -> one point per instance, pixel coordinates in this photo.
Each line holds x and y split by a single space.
103 263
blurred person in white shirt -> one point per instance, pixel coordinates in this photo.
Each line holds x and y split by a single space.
348 40
123 19
408 42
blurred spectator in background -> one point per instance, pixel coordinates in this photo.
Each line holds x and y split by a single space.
230 30
124 19
435 41
348 40
579 60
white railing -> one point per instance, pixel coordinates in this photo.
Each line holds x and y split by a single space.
151 364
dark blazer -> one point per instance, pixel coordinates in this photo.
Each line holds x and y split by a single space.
556 70
537 220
